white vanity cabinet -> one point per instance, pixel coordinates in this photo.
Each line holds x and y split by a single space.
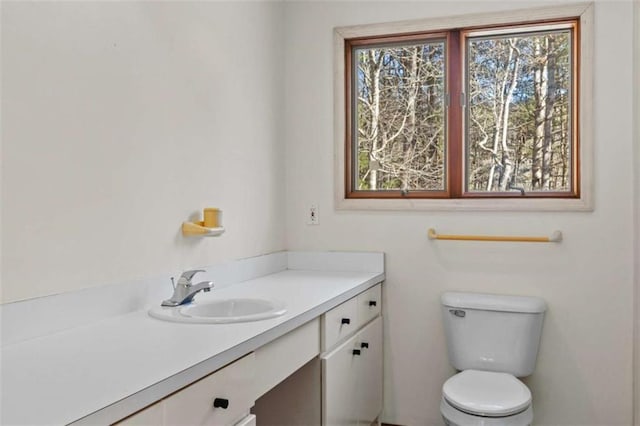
352 370
326 371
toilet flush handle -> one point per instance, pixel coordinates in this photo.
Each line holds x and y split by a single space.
458 312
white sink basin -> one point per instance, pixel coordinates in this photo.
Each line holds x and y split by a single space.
221 311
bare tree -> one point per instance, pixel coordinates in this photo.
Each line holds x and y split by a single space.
401 117
518 117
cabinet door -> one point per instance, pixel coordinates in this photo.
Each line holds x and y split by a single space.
370 369
339 385
352 379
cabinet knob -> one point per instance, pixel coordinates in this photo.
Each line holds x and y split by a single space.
345 321
356 351
364 345
221 403
372 303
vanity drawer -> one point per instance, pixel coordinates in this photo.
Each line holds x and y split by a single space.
194 405
339 323
369 304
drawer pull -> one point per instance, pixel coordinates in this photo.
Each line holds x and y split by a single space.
221 403
356 351
364 345
345 321
373 303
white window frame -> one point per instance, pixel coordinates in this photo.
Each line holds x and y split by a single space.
585 203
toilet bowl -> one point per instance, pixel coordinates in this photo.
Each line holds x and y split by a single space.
453 417
485 398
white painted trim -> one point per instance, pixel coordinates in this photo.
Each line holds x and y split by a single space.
444 23
585 203
505 205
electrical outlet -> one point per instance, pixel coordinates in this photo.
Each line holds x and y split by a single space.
312 215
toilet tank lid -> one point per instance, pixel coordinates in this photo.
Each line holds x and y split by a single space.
494 302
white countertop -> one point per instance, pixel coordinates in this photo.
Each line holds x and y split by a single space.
100 373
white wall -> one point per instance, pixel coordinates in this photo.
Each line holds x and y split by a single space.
120 120
584 374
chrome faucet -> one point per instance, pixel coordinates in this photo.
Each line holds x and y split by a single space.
184 291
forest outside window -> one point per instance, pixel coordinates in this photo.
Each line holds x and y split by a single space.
484 112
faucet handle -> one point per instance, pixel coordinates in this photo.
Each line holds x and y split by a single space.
186 276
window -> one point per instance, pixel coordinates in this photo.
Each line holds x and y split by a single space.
398 115
488 111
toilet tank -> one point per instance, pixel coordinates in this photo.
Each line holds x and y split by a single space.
493 332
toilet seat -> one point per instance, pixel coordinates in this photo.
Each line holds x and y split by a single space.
486 393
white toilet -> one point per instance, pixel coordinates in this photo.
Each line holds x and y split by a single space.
491 340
